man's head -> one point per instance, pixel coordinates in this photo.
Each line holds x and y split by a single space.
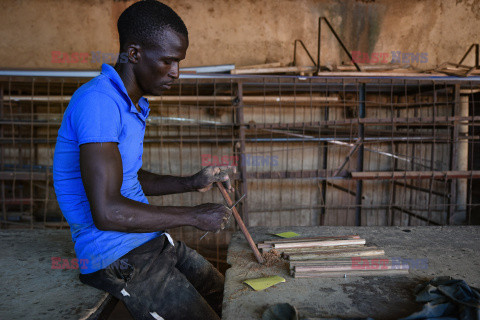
155 40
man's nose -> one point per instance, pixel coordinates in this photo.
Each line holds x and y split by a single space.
174 70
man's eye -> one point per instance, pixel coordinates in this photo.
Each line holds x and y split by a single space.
167 62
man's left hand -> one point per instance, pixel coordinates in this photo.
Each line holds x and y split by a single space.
203 180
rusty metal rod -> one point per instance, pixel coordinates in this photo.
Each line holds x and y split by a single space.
240 223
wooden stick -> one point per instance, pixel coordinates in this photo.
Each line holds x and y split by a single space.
312 238
349 267
273 70
313 256
346 274
359 247
256 66
327 262
327 243
269 246
240 223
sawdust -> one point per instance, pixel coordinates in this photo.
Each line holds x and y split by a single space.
271 258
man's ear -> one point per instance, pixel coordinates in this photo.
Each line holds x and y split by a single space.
133 53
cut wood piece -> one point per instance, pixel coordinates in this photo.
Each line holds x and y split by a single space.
265 65
329 262
262 245
346 274
326 249
350 267
326 243
274 70
313 256
376 67
312 238
268 247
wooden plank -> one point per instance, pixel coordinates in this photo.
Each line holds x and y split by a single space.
380 175
268 246
329 262
345 267
349 248
346 274
257 66
378 67
274 70
313 256
327 243
378 74
312 238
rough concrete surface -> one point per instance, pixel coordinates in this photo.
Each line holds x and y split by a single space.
31 289
244 32
451 251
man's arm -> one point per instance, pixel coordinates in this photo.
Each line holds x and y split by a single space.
159 185
102 176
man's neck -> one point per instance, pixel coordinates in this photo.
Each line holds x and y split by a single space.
128 78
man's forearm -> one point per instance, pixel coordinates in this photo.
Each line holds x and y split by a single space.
158 185
126 215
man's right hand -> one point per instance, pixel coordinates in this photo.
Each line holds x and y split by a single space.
211 216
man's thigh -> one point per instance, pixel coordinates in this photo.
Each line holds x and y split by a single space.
208 281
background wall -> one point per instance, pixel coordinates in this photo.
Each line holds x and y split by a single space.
243 32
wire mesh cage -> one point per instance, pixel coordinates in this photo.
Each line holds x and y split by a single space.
308 150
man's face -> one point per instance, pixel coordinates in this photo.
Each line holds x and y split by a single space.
158 66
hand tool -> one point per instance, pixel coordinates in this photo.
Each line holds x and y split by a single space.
230 208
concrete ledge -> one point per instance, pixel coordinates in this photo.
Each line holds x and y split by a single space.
31 289
451 251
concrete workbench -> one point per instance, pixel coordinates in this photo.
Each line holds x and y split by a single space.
33 288
451 251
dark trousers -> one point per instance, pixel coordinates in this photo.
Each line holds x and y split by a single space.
161 281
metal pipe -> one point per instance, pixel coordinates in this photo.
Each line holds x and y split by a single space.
361 148
340 41
242 139
462 161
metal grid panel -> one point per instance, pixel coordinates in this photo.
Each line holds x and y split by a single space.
310 151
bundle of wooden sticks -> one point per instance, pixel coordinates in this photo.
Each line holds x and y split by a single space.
331 257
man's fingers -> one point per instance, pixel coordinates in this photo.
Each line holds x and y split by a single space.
228 185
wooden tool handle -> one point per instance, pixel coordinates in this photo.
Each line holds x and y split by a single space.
240 223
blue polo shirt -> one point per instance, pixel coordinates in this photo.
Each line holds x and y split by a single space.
99 111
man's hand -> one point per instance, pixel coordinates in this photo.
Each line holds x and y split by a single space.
211 216
204 179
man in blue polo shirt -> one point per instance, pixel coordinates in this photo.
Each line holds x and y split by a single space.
101 187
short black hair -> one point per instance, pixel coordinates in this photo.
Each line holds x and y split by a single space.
143 20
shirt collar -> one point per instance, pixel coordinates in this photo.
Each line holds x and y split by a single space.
113 75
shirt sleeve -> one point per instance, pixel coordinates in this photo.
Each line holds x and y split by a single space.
96 118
